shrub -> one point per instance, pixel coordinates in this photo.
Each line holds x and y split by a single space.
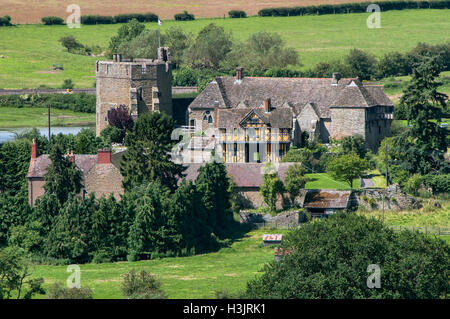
57 291
413 184
5 21
70 43
185 16
96 19
67 84
141 17
142 285
438 183
112 134
52 20
237 14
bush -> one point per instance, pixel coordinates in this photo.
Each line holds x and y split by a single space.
67 84
70 43
5 21
112 134
185 16
52 20
57 291
438 183
141 285
141 17
96 19
237 14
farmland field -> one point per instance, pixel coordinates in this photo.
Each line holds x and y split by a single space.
36 9
31 50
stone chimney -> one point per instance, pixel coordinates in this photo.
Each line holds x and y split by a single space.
239 73
104 156
117 57
336 78
34 149
267 105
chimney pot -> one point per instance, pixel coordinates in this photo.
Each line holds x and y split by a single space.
34 149
104 156
239 71
267 105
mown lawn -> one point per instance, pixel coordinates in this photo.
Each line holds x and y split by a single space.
31 50
12 117
193 277
325 181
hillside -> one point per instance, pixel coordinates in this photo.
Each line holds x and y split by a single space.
31 50
36 9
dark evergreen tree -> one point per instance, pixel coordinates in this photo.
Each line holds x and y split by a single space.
148 156
213 184
63 178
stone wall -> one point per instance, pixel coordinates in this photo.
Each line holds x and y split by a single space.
347 122
118 83
282 219
250 197
35 189
394 199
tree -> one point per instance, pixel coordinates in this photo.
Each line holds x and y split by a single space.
120 117
86 142
271 187
347 167
62 178
141 285
147 157
295 180
15 275
330 258
126 33
263 51
361 64
213 184
67 84
152 230
144 45
70 43
353 144
178 41
210 47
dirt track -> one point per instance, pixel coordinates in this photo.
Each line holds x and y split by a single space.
31 11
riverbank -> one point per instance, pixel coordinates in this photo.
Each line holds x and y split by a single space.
13 117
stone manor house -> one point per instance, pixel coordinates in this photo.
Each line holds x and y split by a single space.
247 121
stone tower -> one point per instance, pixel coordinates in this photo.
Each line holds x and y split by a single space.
142 85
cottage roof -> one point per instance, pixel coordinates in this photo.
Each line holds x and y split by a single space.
38 166
243 174
317 198
226 92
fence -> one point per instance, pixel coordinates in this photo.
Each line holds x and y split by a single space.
427 230
276 225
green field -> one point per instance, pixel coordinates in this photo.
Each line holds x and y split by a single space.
325 181
197 276
12 117
31 50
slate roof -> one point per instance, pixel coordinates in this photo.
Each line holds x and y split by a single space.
226 92
38 166
244 174
231 118
317 198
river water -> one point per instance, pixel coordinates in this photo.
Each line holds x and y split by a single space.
7 134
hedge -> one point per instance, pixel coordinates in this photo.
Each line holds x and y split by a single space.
52 20
237 14
352 8
5 21
120 18
185 16
76 102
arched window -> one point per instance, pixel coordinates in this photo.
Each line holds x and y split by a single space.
208 117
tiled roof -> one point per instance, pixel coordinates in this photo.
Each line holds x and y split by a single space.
38 166
317 198
292 92
279 118
243 174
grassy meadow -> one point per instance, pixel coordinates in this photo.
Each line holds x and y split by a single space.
193 277
38 117
31 50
